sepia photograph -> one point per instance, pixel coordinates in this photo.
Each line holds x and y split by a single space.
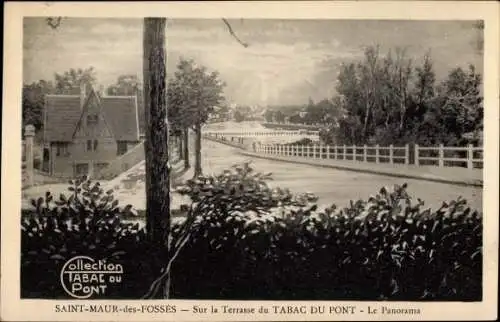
251 159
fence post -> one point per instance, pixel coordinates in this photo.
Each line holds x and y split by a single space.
391 154
365 157
321 151
441 156
377 152
417 161
354 153
314 151
344 153
335 147
303 149
407 154
29 134
470 157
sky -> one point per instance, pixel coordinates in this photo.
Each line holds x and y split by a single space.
286 63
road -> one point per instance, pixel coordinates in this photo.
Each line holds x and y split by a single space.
334 186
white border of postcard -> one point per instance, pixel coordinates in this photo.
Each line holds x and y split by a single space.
12 308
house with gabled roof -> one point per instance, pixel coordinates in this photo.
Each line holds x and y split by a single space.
84 133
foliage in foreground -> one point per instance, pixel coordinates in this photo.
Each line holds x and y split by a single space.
249 241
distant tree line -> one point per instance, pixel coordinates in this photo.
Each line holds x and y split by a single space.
390 100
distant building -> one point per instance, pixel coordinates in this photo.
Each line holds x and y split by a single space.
84 133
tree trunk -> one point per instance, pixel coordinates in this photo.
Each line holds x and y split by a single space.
365 122
197 148
180 147
156 144
186 148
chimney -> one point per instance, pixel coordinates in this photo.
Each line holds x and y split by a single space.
83 92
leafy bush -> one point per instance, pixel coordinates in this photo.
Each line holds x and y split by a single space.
304 141
87 222
385 248
248 241
241 189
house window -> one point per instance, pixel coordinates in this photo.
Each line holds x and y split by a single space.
92 145
100 166
121 147
62 149
92 119
81 169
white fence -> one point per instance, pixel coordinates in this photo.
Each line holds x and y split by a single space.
261 133
469 157
376 154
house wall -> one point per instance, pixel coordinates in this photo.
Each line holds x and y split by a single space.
95 158
104 161
124 162
64 164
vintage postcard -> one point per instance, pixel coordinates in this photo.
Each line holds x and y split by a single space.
250 161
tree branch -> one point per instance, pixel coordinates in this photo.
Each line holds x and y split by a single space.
231 31
54 22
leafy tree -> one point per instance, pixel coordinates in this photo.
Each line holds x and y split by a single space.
70 81
125 85
461 102
33 101
280 116
268 116
179 115
323 112
196 93
389 101
296 119
238 116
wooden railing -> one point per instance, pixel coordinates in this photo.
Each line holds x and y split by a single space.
465 157
217 134
468 157
376 154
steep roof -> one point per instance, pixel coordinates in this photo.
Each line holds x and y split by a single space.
121 115
62 113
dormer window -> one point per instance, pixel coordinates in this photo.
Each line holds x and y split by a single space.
92 145
92 119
